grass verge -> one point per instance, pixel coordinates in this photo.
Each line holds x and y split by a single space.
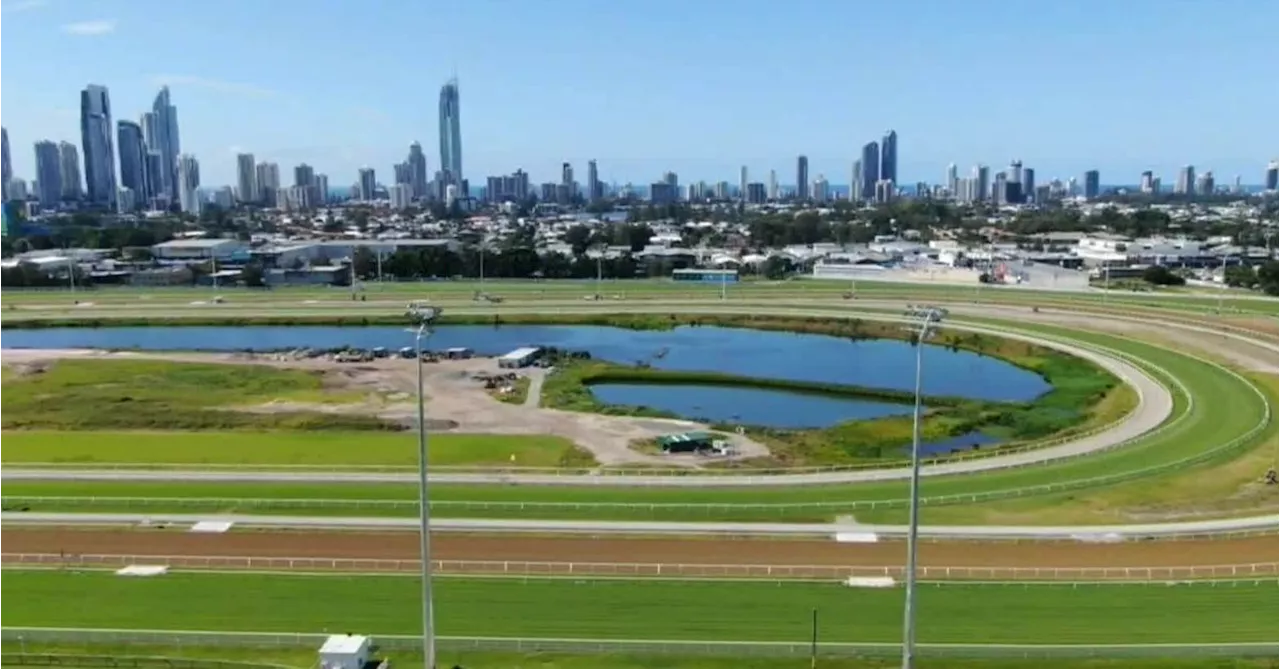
623 609
305 658
149 394
289 448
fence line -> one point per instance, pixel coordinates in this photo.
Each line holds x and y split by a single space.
647 569
179 638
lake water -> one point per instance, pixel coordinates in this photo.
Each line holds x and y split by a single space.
780 355
747 406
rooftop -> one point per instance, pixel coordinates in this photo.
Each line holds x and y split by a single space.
194 243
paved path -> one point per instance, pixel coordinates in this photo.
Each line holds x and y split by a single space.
1100 533
534 395
1154 406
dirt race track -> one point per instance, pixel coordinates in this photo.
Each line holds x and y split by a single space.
487 554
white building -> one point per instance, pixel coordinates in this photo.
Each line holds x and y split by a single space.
199 249
401 196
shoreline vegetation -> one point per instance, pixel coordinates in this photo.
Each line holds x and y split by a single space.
161 396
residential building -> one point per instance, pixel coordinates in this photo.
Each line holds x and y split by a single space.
48 174
857 188
1092 184
742 184
821 189
246 178
321 188
160 134
69 162
802 178
401 196
97 139
6 165
450 133
189 184
367 184
773 185
870 169
133 161
267 179
889 157
756 193
595 189
417 170
1186 182
1272 179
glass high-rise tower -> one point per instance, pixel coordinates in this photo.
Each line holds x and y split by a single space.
98 143
450 133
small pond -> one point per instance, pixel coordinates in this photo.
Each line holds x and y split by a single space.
747 406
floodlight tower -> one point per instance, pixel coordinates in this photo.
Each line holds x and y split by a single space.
926 320
425 318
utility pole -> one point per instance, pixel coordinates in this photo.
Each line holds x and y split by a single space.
928 320
426 318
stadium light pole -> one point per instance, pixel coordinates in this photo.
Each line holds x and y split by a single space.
425 317
926 324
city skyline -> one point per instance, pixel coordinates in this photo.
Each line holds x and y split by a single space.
637 125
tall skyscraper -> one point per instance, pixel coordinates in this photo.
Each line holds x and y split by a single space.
857 187
368 184
417 170
133 159
322 188
160 134
6 165
889 157
567 184
1092 184
96 138
821 189
304 175
1272 179
1147 182
742 184
870 168
802 178
595 189
450 133
246 178
1186 181
981 182
155 175
267 176
48 174
69 160
953 179
1028 183
773 185
189 184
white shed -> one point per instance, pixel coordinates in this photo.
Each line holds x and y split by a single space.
345 651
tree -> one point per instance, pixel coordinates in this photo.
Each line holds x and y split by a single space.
363 263
253 276
1160 275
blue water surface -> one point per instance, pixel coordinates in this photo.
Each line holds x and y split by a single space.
779 355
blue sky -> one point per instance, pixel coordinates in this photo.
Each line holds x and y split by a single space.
696 86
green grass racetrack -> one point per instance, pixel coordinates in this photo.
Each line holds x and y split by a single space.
1221 612
1210 424
664 289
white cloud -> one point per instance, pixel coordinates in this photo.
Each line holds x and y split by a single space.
89 28
214 85
11 7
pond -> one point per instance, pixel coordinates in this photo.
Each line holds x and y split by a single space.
747 406
780 355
